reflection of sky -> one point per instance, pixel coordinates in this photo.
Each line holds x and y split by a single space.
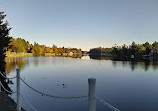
116 83
86 57
13 63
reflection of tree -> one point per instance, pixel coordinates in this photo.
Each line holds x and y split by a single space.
155 65
134 65
147 64
72 56
36 61
76 56
12 63
114 63
124 63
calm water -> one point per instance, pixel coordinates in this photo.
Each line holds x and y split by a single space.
129 86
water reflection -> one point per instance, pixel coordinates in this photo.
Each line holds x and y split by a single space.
146 65
13 63
66 76
136 65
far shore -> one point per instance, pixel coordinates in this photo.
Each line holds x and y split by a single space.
13 54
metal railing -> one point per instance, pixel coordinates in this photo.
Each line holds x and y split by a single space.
91 94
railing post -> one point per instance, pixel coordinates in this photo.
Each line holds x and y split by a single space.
91 94
18 89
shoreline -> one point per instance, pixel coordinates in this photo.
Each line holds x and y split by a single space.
7 103
13 54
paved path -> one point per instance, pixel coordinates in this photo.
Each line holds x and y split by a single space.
6 103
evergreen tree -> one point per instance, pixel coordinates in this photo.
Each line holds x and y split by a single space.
36 50
4 41
155 46
148 47
20 44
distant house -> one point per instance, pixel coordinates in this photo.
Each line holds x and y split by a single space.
154 52
132 56
71 54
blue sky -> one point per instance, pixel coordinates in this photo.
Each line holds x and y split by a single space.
83 23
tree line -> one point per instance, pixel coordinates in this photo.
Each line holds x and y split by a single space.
21 45
125 52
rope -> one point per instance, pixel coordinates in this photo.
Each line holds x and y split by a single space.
61 97
7 77
6 89
107 104
34 109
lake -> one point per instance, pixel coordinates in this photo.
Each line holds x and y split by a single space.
129 86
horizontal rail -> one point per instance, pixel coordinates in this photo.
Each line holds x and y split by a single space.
53 96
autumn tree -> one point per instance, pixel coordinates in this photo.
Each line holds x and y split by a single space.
36 50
